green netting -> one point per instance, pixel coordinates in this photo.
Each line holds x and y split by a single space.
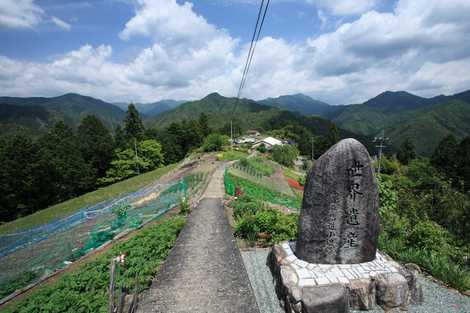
229 184
55 250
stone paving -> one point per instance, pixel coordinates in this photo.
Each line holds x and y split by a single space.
325 274
204 271
438 299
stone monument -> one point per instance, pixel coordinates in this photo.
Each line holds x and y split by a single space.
334 265
342 193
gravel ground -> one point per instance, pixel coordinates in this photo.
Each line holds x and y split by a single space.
437 299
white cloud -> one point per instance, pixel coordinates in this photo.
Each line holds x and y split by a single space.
422 46
345 7
62 24
20 14
171 24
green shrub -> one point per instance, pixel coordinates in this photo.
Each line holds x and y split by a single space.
389 165
286 228
247 228
277 225
245 205
285 154
85 290
214 142
428 235
262 148
244 162
17 282
408 235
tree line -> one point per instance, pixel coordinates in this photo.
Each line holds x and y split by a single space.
66 162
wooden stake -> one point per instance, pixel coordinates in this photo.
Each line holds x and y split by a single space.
111 287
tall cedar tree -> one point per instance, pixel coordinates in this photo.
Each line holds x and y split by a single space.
20 181
204 124
133 126
464 162
121 141
96 144
407 151
333 135
68 175
445 157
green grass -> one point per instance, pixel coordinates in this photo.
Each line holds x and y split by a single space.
231 155
70 206
261 165
439 266
86 289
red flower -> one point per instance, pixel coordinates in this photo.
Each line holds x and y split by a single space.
295 184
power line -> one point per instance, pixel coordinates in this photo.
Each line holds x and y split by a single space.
245 69
254 46
249 58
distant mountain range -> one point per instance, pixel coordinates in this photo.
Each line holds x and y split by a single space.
303 104
154 108
37 114
404 115
248 114
217 107
399 113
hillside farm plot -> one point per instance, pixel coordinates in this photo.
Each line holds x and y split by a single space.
262 172
29 255
234 184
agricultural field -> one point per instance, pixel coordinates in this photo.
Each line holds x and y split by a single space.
87 287
27 256
263 212
258 165
258 191
73 205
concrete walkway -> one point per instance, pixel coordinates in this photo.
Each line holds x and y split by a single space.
204 272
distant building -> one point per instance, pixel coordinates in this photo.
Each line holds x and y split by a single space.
253 133
244 140
268 142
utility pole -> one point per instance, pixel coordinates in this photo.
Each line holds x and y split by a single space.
136 157
231 135
381 140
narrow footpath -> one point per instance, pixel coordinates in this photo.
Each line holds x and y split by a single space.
204 272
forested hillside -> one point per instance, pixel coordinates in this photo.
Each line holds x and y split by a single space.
35 115
154 108
218 109
304 104
403 115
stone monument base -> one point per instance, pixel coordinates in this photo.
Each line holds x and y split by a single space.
335 288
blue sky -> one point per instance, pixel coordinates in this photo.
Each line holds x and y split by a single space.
144 50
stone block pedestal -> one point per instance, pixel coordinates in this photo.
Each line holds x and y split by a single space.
335 288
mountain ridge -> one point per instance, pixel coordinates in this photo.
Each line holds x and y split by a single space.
70 108
404 115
